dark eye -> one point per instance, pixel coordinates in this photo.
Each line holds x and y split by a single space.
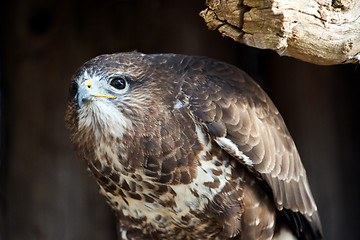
118 83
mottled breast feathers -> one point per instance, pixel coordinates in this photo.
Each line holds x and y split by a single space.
175 106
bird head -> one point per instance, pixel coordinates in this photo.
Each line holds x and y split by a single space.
113 93
86 91
106 79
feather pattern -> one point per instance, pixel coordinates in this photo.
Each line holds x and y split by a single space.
190 148
246 116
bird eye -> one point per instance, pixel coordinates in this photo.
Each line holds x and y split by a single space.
118 83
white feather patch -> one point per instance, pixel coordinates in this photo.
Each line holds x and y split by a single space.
92 77
100 115
178 104
284 234
233 150
123 234
255 223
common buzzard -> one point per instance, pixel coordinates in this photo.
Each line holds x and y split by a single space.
188 147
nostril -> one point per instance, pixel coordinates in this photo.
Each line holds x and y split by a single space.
88 83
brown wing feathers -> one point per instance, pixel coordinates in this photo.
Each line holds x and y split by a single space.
234 106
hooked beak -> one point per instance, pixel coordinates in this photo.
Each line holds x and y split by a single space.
85 94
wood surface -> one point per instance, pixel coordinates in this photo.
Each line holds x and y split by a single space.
322 32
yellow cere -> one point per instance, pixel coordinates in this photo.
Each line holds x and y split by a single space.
88 83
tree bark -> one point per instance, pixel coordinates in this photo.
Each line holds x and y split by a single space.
322 32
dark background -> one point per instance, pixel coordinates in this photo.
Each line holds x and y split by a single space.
46 193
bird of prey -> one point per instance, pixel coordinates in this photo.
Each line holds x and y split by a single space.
187 147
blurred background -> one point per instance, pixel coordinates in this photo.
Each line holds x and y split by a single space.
46 193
